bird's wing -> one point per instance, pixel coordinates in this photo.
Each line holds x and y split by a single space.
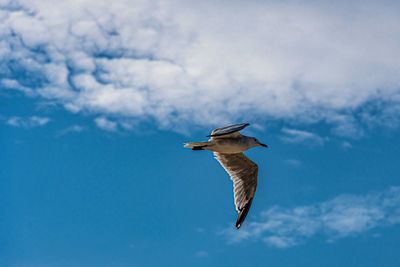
243 173
231 130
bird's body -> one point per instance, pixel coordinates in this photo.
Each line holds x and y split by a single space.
228 146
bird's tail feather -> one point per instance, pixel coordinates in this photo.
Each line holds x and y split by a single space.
196 145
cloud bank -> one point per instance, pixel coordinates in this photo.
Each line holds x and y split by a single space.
343 216
206 63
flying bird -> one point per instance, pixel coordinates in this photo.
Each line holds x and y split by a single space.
228 145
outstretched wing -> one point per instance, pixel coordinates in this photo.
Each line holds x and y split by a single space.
228 130
243 173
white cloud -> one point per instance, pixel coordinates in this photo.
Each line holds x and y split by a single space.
29 122
106 124
162 61
300 136
343 216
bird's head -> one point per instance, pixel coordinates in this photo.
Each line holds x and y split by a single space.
256 142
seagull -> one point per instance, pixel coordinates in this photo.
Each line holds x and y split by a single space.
228 146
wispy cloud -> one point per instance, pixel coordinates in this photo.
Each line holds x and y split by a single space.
106 124
346 145
11 84
199 229
301 136
346 126
162 61
71 129
201 254
343 216
295 163
29 122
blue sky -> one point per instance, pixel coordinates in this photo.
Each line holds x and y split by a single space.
96 101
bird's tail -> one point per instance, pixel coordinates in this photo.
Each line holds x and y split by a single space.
196 145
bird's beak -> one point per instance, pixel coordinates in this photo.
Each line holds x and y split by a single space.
264 145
